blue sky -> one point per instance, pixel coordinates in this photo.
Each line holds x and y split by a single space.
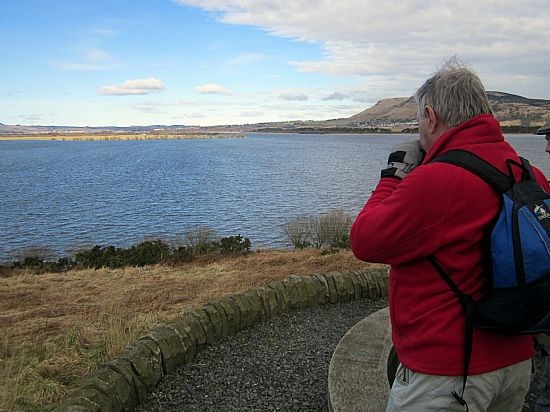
210 62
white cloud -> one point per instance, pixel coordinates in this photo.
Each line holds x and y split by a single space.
90 60
133 87
194 115
149 107
30 118
336 96
97 55
212 88
84 67
293 97
405 41
245 59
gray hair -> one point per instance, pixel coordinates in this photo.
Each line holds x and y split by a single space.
455 93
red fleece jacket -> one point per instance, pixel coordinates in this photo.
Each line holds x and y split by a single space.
439 210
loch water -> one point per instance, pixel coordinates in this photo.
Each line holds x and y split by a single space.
66 195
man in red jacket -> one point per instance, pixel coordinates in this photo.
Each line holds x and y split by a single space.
420 210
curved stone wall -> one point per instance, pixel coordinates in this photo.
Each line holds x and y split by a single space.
124 382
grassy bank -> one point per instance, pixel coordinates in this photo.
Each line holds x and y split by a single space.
56 327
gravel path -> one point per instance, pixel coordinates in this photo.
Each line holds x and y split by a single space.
279 365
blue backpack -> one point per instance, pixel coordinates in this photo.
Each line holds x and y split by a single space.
517 260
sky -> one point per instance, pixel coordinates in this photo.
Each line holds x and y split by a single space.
215 62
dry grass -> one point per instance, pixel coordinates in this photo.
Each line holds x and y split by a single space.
57 327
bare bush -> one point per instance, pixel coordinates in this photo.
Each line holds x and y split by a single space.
331 229
33 255
199 238
335 227
297 231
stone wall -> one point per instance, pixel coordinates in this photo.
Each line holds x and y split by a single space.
124 382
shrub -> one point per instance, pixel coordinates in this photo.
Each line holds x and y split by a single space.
149 252
234 245
33 257
181 254
200 240
335 227
298 232
98 257
331 229
64 263
32 262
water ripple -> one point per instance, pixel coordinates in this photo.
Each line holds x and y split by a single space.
64 195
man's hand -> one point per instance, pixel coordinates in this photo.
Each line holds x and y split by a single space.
404 158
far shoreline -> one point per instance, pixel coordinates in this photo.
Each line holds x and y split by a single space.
118 136
223 135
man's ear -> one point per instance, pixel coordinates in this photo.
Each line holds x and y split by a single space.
432 119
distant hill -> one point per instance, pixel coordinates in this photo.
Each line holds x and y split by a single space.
397 109
512 110
515 113
509 109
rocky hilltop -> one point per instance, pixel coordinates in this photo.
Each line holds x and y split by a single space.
515 113
397 114
511 110
397 109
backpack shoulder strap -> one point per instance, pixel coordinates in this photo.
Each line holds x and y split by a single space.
501 182
468 309
527 169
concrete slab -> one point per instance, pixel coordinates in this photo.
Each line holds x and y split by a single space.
357 379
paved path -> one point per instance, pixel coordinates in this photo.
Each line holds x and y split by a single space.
357 379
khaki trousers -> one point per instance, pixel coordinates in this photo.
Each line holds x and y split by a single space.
503 390
543 402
